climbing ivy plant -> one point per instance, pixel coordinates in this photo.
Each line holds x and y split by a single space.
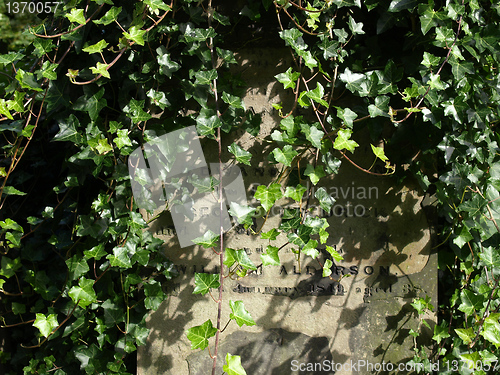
79 272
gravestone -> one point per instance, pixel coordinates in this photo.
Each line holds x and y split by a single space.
360 313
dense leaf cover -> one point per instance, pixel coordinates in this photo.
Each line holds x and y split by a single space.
102 77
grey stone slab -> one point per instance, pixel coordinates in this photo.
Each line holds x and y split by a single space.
362 312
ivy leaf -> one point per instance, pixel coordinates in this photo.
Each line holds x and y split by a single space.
96 48
285 156
327 271
240 314
399 5
270 257
430 60
135 34
310 249
270 235
334 253
119 258
84 292
356 27
208 240
9 266
233 366
325 200
379 153
46 324
470 302
241 155
68 130
204 282
314 174
76 15
207 123
466 334
242 213
288 78
239 256
491 330
27 80
268 195
490 257
122 139
110 16
380 108
101 69
134 110
428 19
157 4
317 94
77 266
343 141
296 193
313 134
4 110
199 335
205 77
347 115
233 101
352 80
167 66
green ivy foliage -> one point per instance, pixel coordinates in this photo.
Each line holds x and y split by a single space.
79 273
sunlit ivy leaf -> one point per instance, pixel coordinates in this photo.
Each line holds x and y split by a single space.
347 3
96 252
10 57
135 111
157 4
317 94
9 266
268 195
207 122
347 115
167 65
199 335
110 16
92 105
76 15
242 213
380 108
101 69
461 69
288 78
135 34
83 292
352 80
239 256
334 253
343 141
4 110
122 139
233 366
399 5
314 174
293 38
204 282
325 200
27 80
356 27
205 77
208 240
296 193
440 333
240 314
270 235
313 134
429 18
285 155
470 302
379 153
308 58
96 48
46 324
327 268
241 155
490 256
491 329
290 125
233 100
466 334
270 257
120 257
310 249
68 130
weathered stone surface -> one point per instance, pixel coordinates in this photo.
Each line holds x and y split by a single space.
361 312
